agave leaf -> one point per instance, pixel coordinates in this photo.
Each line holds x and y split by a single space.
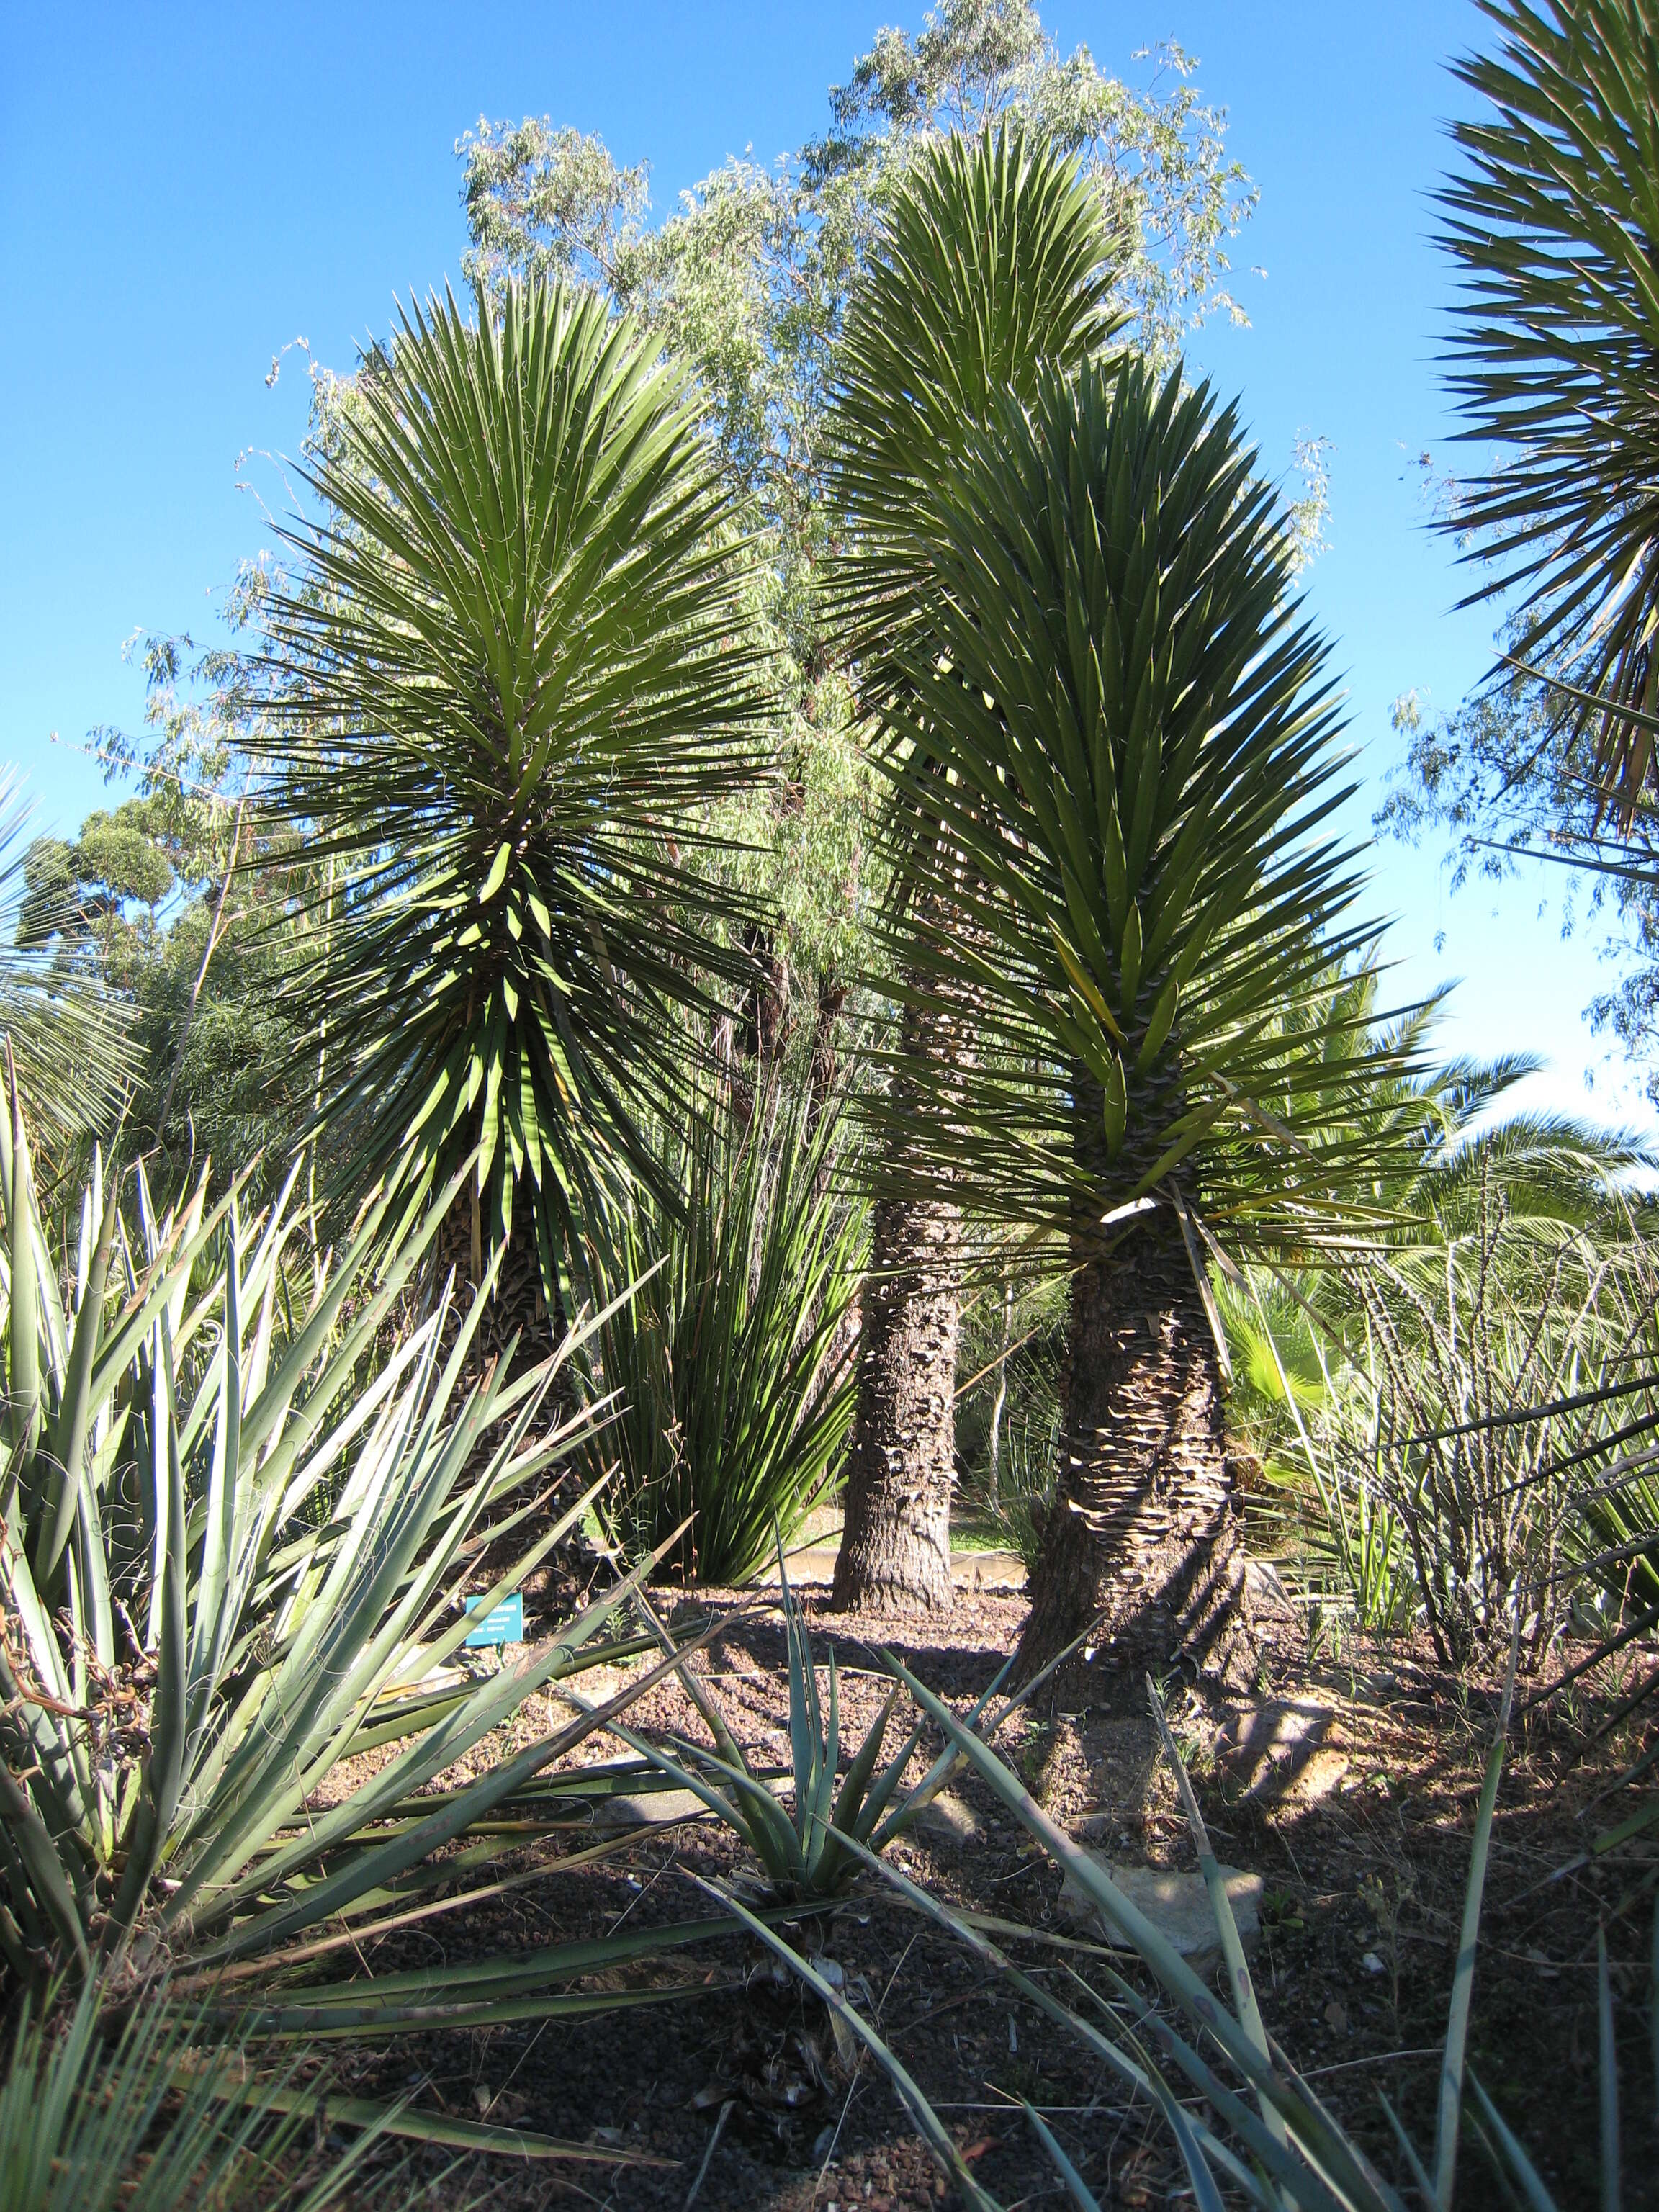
1307 2188
436 1992
439 1747
1608 2072
1313 2131
1518 2169
67 1436
1238 1972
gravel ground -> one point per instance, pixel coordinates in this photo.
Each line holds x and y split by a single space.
1350 1790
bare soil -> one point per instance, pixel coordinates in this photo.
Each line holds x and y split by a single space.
1349 1787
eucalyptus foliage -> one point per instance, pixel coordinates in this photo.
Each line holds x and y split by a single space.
514 666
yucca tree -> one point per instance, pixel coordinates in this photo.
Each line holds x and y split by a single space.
996 258
509 679
1137 734
1553 223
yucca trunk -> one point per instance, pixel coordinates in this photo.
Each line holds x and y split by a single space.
517 1306
901 1468
1145 1528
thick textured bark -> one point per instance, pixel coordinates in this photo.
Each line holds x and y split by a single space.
896 1550
1145 1528
901 1468
517 1306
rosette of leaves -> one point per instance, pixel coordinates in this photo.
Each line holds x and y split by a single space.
510 682
232 1556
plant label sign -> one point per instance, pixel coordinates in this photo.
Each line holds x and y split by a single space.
502 1624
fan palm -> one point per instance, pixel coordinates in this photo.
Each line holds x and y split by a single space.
511 672
996 258
1137 733
1553 222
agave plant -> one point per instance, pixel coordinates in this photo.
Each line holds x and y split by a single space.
810 1853
732 1362
508 680
1247 2126
143 2121
228 1563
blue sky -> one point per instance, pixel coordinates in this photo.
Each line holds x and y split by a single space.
184 190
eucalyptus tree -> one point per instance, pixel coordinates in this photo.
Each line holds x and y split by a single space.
1138 736
996 258
514 666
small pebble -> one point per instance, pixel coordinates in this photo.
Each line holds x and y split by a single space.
1372 1963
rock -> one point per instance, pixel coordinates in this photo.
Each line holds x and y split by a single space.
948 1820
987 1571
1325 1772
1177 1905
1096 1826
1283 1747
651 1809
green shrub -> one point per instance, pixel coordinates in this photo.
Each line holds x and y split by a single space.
732 1365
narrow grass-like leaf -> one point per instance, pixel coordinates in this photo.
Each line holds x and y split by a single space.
1450 2103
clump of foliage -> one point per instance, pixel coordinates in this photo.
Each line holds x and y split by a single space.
1240 2115
1010 1364
1550 225
188 911
516 669
732 1362
803 1850
230 1561
748 281
93 2120
1440 1417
